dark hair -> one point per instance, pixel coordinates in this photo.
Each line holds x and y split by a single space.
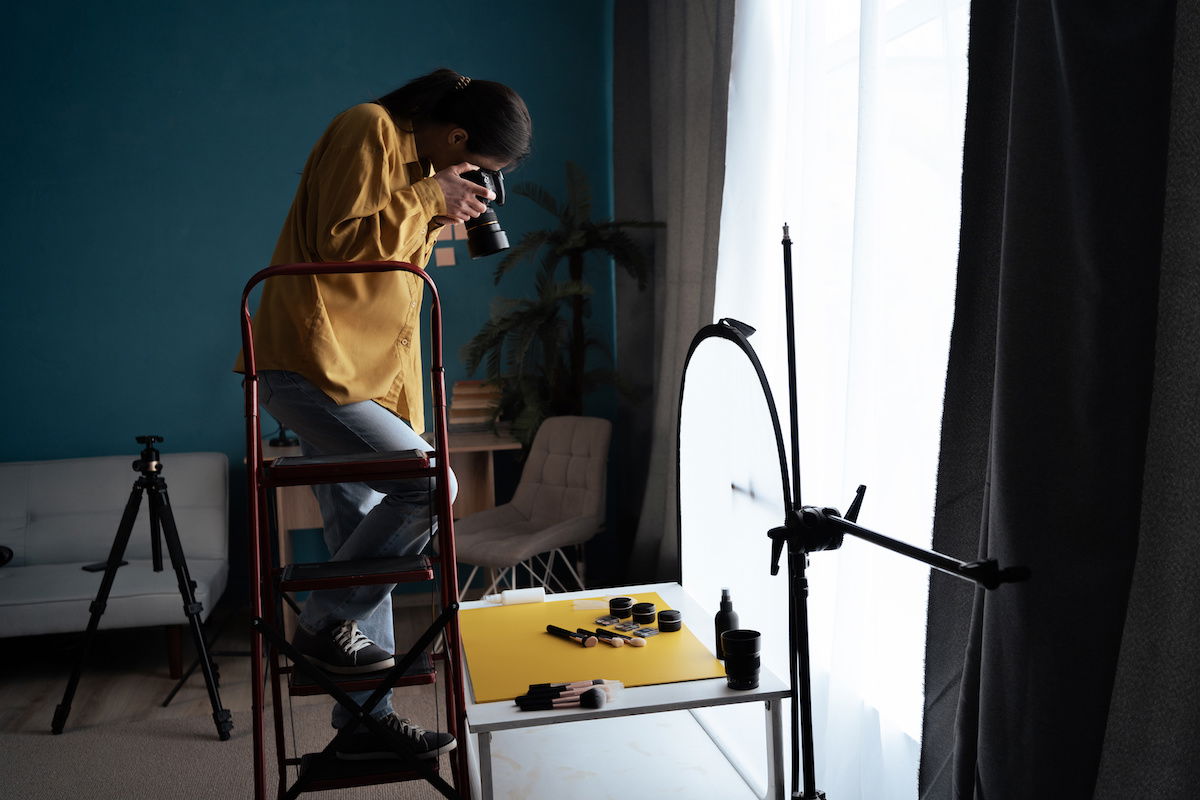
494 116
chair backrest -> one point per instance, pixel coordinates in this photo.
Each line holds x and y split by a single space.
564 475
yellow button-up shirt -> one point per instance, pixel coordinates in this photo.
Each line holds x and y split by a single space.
364 196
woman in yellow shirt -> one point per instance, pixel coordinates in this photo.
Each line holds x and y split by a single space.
339 355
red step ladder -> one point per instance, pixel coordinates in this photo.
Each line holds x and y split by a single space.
270 585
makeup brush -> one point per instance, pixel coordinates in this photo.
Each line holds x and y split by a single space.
577 684
565 691
612 641
592 698
632 641
563 633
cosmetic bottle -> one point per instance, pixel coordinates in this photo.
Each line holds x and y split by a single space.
726 620
510 597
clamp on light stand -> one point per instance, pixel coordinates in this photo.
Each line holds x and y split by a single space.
819 529
811 529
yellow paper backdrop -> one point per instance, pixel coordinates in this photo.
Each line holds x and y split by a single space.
508 649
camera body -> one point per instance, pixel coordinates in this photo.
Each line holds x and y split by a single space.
484 234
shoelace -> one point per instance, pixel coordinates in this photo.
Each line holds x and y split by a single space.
406 728
350 638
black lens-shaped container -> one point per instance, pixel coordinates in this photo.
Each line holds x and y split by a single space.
742 660
643 613
621 607
669 620
484 234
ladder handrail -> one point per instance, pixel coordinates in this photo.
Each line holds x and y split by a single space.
448 583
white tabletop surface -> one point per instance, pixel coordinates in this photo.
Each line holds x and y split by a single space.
504 715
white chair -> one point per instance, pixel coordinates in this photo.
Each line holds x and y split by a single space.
559 503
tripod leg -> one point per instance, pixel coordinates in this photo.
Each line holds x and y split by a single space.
155 539
63 710
212 638
160 513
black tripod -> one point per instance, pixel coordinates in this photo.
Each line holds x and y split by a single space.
162 524
810 529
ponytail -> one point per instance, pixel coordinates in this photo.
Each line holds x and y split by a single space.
494 116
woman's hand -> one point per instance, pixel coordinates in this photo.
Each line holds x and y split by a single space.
462 196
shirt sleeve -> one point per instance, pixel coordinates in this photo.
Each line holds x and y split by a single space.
365 207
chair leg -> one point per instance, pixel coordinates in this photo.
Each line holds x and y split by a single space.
571 569
462 590
494 586
548 572
533 576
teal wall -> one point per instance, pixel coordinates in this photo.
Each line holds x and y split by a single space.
151 150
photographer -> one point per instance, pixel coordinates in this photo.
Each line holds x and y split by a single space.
339 355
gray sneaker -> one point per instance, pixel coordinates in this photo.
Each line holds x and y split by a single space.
343 649
369 746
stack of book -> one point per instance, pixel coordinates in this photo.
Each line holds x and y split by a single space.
472 404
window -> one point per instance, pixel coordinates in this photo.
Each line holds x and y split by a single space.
845 122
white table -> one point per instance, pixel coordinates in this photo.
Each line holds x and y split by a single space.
486 719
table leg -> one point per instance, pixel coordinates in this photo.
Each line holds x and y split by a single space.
485 766
775 781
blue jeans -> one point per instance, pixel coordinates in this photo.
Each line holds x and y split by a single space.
362 520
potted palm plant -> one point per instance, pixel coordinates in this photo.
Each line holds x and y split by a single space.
536 348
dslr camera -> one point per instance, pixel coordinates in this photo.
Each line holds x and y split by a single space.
484 234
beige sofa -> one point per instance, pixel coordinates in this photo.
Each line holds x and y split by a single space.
57 516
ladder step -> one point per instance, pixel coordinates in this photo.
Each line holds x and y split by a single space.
421 672
322 772
364 571
304 470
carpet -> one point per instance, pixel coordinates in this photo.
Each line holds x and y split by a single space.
176 758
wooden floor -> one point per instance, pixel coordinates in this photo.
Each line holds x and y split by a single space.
126 678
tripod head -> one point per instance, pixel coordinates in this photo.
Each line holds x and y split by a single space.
148 464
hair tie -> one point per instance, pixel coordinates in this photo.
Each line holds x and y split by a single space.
461 83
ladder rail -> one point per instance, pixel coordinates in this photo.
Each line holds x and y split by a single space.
257 484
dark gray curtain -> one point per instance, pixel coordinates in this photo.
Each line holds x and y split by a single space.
1049 393
671 87
1150 746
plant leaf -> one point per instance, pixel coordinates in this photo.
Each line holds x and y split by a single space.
579 195
628 255
540 196
528 245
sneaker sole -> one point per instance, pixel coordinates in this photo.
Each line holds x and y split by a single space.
355 669
386 755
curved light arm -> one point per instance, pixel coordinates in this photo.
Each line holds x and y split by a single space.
737 332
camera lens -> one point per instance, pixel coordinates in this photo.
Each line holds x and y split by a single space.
742 660
485 236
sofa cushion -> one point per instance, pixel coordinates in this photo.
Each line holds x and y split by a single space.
68 511
55 598
59 515
14 509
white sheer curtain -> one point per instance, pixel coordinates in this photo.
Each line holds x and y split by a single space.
845 121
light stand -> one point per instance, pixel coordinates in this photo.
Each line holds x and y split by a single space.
809 529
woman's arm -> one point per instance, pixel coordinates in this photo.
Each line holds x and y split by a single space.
362 203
